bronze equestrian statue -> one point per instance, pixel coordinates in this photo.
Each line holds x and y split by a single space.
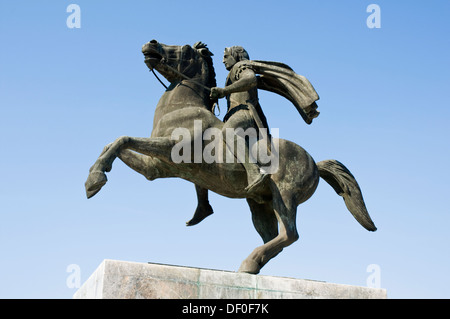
183 119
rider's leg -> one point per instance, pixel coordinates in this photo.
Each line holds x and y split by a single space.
255 177
239 124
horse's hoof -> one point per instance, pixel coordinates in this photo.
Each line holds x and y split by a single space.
90 194
249 266
94 183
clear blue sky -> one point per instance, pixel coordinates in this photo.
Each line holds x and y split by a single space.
66 93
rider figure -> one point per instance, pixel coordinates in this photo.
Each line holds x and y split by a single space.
242 101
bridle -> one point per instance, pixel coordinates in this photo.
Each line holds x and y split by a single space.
178 72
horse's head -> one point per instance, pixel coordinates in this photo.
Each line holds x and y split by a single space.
172 60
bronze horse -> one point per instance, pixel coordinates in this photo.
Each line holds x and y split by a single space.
190 71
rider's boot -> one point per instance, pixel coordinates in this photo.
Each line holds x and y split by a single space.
203 210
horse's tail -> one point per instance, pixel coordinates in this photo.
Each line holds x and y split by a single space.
345 185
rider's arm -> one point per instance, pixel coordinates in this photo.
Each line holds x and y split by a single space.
247 80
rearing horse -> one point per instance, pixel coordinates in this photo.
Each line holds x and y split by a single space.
190 71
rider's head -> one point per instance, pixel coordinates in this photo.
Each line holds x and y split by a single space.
234 54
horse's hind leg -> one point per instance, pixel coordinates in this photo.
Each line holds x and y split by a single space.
264 219
285 211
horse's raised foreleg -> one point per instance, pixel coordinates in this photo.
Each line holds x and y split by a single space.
285 211
157 147
151 168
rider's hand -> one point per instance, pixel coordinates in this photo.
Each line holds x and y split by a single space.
217 93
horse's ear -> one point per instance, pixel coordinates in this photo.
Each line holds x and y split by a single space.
205 52
202 49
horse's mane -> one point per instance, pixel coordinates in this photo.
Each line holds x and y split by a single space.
211 82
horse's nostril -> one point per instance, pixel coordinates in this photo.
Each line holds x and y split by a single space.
153 42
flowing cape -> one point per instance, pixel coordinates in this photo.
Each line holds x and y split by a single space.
281 79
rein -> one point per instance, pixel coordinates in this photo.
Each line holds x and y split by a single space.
159 79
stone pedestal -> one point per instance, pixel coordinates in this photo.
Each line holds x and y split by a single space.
131 280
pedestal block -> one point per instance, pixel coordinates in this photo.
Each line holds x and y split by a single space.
131 280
